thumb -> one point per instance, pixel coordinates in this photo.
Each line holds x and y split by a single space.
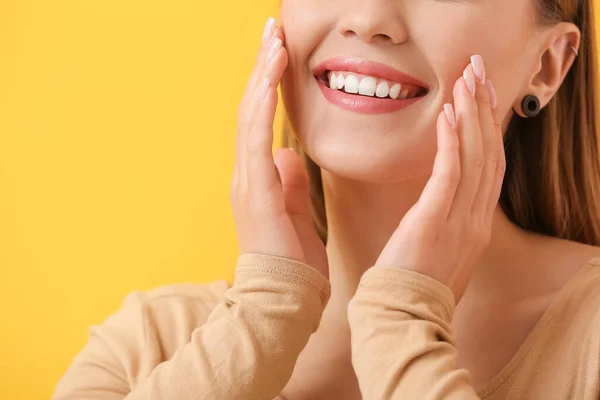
295 187
294 182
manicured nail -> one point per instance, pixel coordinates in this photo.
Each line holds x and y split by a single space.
268 32
493 98
264 88
449 110
274 48
478 68
469 80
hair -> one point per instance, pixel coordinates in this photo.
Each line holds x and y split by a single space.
552 180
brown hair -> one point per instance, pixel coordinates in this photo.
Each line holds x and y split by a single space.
552 181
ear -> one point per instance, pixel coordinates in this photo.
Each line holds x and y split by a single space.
558 52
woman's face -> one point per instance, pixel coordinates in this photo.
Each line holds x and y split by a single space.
429 40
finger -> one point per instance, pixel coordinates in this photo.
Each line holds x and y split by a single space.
255 99
501 161
295 184
438 195
255 80
296 192
488 127
260 169
268 34
262 62
272 70
245 114
471 147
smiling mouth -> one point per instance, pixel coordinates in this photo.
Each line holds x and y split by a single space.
369 86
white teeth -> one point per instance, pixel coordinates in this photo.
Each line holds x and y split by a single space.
367 86
395 91
351 84
383 90
332 81
340 81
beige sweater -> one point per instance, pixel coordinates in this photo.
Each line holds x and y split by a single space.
218 342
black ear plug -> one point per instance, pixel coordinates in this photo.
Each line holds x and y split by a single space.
531 105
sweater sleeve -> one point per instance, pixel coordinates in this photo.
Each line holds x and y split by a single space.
402 343
246 349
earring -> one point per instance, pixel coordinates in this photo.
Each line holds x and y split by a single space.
574 49
531 105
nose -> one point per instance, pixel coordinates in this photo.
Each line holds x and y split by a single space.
373 21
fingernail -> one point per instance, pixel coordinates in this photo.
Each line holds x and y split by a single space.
469 80
268 32
274 48
493 98
478 68
264 88
449 110
291 149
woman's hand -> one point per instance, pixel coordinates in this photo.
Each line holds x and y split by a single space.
445 232
270 196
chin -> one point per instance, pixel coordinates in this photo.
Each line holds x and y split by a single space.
367 160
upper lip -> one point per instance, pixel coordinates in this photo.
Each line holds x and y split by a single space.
365 67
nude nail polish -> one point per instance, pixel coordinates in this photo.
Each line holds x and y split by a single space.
449 110
274 49
268 32
478 68
469 78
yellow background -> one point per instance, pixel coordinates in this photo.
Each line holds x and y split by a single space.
117 133
117 138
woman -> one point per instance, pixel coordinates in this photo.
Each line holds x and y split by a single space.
445 245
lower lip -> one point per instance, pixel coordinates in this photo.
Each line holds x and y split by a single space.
364 104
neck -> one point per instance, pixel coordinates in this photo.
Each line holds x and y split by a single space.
361 217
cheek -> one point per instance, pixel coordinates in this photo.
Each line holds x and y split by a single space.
467 31
304 27
298 21
302 21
